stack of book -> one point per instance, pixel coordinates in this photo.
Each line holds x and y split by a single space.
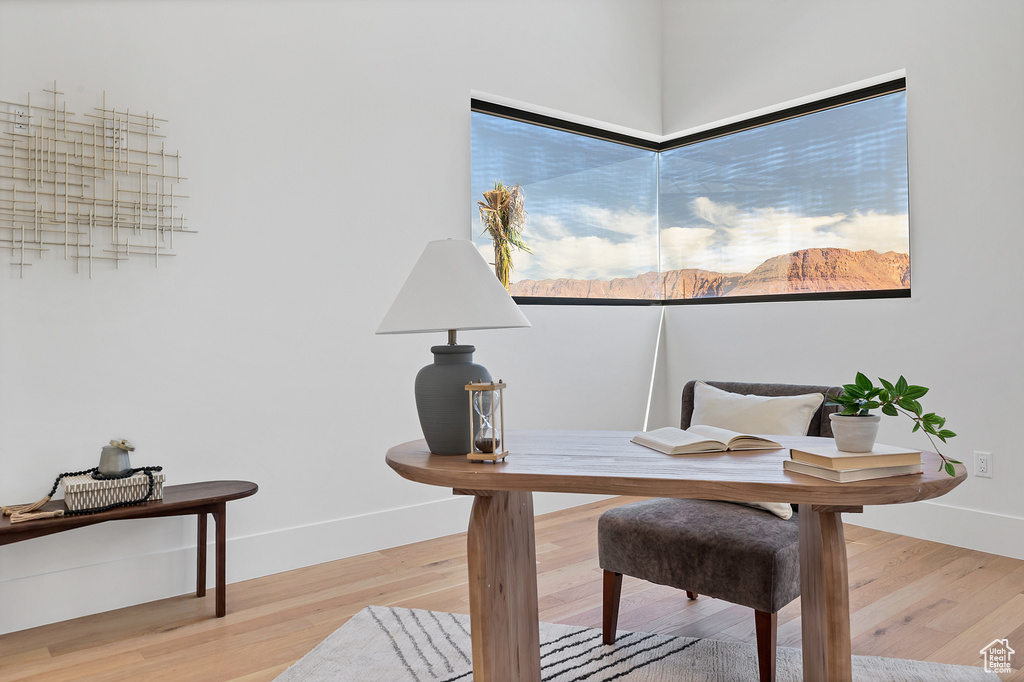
831 463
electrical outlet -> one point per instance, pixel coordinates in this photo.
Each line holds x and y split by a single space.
983 464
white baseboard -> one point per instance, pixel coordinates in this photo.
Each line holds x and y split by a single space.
38 587
948 524
69 575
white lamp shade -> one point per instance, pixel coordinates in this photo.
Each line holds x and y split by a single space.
451 287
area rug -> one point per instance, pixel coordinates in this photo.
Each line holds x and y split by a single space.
383 644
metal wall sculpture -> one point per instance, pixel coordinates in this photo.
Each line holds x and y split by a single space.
98 189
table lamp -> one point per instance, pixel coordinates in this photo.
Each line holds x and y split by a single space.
450 288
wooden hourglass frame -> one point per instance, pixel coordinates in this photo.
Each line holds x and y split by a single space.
486 436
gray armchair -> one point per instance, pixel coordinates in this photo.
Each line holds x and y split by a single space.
727 551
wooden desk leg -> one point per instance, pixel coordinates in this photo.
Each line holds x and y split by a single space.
824 596
201 555
503 588
221 518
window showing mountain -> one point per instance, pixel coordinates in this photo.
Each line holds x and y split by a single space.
803 203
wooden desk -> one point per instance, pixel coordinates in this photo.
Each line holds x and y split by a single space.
502 552
208 497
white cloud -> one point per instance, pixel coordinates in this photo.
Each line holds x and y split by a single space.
686 247
628 249
626 223
716 214
745 239
587 258
878 231
728 239
624 247
547 227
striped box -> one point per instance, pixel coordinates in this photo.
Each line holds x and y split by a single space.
85 492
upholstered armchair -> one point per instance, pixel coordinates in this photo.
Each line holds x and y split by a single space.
727 551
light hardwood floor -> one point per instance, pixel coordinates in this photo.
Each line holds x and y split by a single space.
908 599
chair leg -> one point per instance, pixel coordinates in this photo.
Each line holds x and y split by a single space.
767 627
610 605
691 595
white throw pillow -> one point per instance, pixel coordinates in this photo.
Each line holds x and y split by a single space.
781 509
788 415
756 414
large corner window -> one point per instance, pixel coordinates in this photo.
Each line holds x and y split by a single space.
809 202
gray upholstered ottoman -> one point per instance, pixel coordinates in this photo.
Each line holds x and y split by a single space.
707 547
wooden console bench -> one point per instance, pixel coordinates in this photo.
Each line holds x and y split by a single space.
208 497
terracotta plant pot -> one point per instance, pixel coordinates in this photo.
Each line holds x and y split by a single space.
853 433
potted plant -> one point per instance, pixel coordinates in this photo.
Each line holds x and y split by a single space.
503 214
855 428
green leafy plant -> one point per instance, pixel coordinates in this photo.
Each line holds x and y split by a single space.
894 399
503 213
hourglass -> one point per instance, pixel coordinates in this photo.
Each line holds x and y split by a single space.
486 421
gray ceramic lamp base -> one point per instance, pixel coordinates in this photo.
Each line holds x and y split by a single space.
442 401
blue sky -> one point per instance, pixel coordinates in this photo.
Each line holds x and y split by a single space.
833 178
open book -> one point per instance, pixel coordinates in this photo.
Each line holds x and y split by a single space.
701 438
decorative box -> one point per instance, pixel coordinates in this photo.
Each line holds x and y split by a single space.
85 492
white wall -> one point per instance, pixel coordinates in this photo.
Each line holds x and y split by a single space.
960 332
324 143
